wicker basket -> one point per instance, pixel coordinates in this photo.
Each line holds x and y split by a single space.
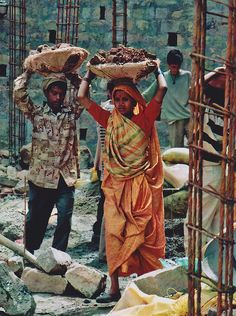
58 60
134 71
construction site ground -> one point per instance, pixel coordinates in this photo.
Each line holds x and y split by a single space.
80 248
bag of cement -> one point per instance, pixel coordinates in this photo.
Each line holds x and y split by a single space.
123 62
176 155
62 58
176 175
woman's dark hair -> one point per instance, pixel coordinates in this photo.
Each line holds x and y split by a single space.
174 57
110 86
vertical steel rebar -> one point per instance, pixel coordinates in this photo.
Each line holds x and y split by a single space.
226 195
17 54
67 21
119 22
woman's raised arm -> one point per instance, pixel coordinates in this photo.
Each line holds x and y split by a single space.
83 93
162 86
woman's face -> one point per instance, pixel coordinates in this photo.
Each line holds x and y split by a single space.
124 103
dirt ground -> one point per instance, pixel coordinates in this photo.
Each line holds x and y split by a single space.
80 248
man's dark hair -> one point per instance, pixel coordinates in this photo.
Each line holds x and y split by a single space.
174 57
60 84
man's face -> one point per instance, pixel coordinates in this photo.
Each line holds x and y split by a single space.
55 97
174 69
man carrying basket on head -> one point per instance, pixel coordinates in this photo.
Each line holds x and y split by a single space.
54 166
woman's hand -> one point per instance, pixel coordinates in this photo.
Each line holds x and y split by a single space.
89 76
83 94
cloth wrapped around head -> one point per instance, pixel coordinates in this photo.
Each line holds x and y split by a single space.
47 82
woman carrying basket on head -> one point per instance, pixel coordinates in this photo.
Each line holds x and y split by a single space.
133 210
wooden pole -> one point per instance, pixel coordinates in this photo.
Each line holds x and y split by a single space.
19 250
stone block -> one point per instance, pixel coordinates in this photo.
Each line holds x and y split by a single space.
158 282
88 281
16 264
40 282
5 181
53 261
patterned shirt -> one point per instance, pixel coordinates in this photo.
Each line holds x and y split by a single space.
54 139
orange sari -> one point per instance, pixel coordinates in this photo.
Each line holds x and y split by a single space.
134 212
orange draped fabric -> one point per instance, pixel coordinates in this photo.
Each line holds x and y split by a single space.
134 212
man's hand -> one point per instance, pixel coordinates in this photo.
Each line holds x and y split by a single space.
74 78
71 62
27 73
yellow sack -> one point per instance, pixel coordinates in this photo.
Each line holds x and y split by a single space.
176 155
134 302
85 178
94 175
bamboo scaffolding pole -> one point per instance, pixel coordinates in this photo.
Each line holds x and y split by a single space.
220 2
218 109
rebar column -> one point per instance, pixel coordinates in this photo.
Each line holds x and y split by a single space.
224 287
119 22
68 21
17 54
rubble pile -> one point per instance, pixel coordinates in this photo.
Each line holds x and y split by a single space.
59 272
121 55
123 62
55 273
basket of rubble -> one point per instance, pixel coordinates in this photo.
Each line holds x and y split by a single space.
62 58
123 62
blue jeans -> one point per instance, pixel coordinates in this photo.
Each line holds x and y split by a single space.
41 203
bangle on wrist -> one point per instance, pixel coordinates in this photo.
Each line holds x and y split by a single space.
157 72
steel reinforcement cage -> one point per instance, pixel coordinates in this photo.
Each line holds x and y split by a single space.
202 63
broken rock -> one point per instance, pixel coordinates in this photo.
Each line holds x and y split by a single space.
159 282
53 261
88 281
16 264
40 282
15 298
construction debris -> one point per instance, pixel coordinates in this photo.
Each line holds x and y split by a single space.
15 298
